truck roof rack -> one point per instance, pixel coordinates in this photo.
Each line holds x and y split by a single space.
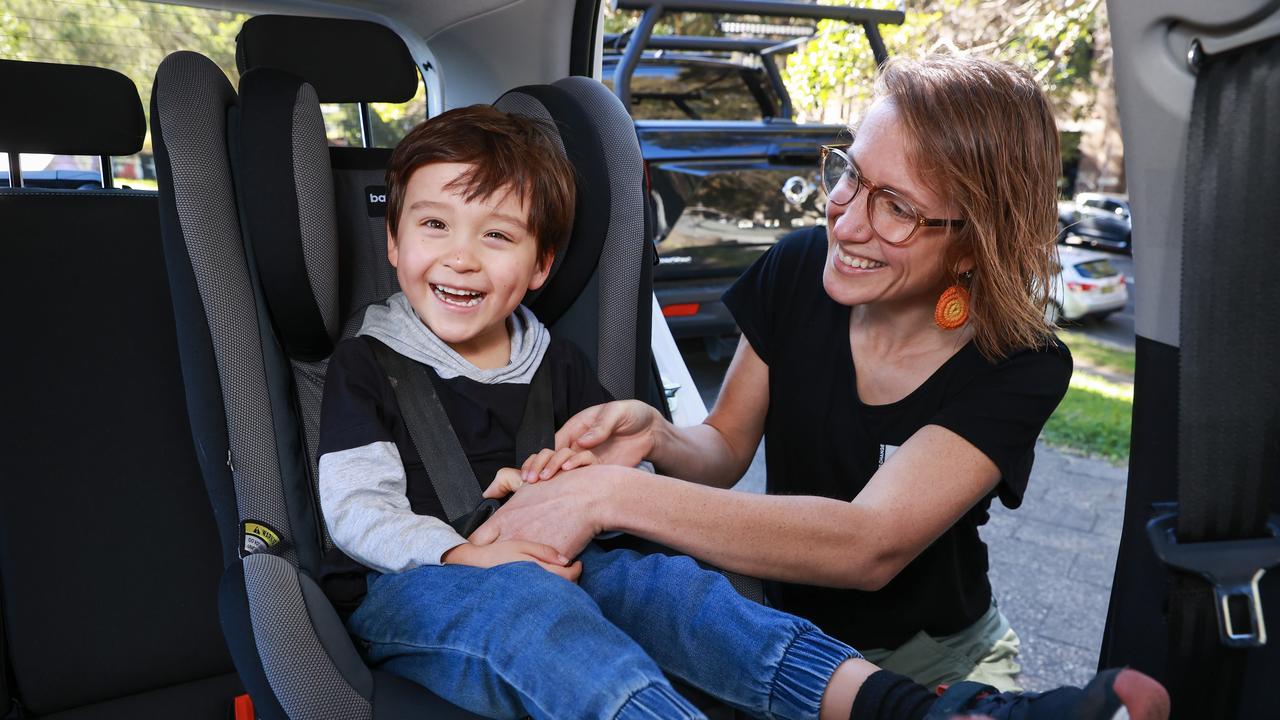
640 38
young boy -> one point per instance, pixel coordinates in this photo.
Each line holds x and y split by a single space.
479 202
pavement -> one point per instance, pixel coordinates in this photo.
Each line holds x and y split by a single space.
1052 559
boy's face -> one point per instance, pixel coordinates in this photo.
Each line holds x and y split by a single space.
464 266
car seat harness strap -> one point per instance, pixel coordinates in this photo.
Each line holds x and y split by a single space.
450 472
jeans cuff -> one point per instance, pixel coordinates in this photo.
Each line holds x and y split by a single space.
658 701
804 673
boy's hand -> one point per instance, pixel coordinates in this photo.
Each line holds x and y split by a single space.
546 464
505 482
509 551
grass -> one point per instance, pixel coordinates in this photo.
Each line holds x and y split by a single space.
1095 415
1090 353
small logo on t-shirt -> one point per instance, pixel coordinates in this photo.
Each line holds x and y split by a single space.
375 197
886 451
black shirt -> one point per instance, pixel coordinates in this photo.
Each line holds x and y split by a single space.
360 408
820 439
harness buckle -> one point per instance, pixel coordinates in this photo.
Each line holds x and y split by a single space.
1232 567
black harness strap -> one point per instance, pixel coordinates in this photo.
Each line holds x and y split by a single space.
1229 404
437 444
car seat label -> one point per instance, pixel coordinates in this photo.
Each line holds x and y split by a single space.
886 451
258 537
375 198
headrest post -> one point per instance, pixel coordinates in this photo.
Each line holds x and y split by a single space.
15 169
105 167
366 126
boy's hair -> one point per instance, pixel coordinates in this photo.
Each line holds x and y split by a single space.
507 152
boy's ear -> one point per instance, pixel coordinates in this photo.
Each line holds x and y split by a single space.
543 271
393 248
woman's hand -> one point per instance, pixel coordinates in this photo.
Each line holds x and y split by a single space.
544 465
618 433
509 551
561 514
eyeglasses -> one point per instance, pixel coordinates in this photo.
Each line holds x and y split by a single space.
892 216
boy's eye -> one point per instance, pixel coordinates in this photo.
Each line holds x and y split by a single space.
498 236
433 224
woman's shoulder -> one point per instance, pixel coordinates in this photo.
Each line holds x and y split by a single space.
1048 365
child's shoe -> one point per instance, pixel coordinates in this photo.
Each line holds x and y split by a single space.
1112 695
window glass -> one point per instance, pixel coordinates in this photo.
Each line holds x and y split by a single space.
128 36
698 92
389 121
4 169
1096 269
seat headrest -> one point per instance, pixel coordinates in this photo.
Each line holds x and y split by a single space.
69 110
344 60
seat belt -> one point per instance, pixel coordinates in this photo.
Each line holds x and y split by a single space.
1218 536
438 446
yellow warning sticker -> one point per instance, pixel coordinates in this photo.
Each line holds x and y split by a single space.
258 537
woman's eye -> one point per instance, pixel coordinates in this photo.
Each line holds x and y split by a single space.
899 210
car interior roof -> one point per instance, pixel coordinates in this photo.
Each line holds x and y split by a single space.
476 56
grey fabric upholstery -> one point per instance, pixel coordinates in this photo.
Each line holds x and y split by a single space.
303 676
192 96
314 184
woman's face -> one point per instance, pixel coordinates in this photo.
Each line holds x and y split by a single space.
908 273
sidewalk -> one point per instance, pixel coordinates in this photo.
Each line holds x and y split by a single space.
1052 561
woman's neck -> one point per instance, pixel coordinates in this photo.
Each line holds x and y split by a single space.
903 327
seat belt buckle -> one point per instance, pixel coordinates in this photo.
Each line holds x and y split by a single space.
1232 567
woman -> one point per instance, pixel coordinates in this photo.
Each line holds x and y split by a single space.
899 368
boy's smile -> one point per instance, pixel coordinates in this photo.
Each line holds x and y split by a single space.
465 265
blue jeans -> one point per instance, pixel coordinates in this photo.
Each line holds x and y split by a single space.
515 639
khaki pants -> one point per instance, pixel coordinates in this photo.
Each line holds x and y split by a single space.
984 652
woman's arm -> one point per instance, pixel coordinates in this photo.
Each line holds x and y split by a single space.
716 452
923 489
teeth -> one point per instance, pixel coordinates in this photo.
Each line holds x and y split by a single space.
858 262
454 296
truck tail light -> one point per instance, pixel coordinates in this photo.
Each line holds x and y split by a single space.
680 310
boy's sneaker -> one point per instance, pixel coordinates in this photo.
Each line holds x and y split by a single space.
1112 695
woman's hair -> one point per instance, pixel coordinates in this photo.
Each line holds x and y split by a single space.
507 152
983 134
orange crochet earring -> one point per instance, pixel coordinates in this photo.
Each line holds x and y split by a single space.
952 310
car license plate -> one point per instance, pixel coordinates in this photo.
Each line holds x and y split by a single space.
1107 288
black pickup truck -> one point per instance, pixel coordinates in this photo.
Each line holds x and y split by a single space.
729 169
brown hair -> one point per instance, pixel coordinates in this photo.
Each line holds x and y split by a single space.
984 134
507 152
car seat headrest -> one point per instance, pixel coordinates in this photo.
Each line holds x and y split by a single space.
69 110
344 60
286 191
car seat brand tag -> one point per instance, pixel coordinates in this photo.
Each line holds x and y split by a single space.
886 451
375 198
258 537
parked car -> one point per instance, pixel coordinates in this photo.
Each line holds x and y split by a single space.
1098 220
1088 285
730 170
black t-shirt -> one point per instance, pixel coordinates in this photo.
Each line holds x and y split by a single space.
360 408
820 439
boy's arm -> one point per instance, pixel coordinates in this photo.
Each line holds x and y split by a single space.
361 476
362 496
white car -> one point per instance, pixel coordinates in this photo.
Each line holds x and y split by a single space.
1088 285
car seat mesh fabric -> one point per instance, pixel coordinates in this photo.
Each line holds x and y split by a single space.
365 276
314 183
609 299
191 98
302 675
625 242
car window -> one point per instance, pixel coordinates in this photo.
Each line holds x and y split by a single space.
1096 269
697 92
388 122
128 36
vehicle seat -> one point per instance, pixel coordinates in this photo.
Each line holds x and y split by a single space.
264 333
109 553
